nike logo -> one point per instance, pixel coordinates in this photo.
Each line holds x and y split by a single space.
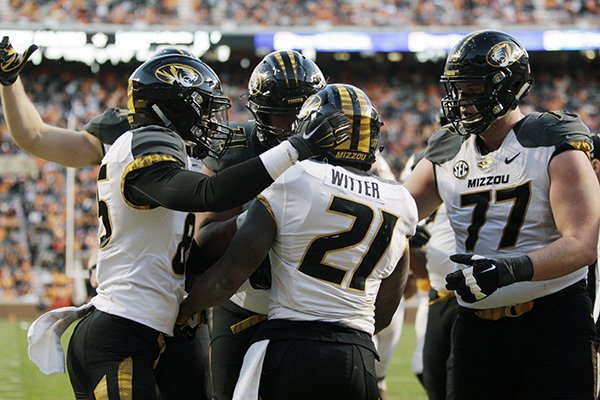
493 267
509 160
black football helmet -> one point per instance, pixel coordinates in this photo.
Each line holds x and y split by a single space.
497 62
363 145
184 94
173 50
279 85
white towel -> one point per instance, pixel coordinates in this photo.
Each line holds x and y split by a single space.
247 385
44 335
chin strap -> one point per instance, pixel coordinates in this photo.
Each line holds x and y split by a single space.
166 121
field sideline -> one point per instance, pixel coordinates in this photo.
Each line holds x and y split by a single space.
21 380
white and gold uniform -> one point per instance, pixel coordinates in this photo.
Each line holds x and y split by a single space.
499 202
340 232
140 262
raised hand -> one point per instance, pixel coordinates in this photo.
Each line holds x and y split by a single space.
320 132
11 62
485 275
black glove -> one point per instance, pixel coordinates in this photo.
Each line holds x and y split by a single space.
11 63
420 238
485 275
319 132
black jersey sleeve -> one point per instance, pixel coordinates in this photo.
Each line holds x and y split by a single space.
563 130
168 185
443 145
155 140
109 125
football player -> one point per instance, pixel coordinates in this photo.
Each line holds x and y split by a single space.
183 360
335 235
277 88
146 189
522 199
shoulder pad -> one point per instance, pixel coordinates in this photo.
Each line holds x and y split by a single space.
158 140
240 148
443 145
109 125
557 128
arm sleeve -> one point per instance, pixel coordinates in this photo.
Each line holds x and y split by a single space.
168 185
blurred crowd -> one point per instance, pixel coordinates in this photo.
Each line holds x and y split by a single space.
32 210
366 13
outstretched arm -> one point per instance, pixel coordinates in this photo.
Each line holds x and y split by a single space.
422 187
64 146
245 253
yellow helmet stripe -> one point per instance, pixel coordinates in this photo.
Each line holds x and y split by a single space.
279 59
364 140
294 66
130 101
348 109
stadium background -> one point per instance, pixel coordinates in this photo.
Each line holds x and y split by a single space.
392 49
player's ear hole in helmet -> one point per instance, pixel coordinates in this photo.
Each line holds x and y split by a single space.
360 150
486 74
277 88
184 94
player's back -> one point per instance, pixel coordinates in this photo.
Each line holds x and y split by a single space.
340 231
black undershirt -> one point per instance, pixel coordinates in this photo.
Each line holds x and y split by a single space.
168 185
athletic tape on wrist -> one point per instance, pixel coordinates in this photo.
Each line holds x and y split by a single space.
279 158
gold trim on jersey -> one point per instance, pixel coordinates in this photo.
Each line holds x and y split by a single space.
125 379
247 323
101 389
161 348
581 145
263 200
139 163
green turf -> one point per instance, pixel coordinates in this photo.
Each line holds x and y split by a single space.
20 378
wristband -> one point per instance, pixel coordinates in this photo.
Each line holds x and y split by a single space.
278 159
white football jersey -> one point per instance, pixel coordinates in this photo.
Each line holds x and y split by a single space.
142 249
439 248
339 234
498 204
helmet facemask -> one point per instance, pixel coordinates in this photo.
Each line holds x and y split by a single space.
210 132
268 131
183 94
495 98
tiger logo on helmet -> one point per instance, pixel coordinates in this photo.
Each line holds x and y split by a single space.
185 75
